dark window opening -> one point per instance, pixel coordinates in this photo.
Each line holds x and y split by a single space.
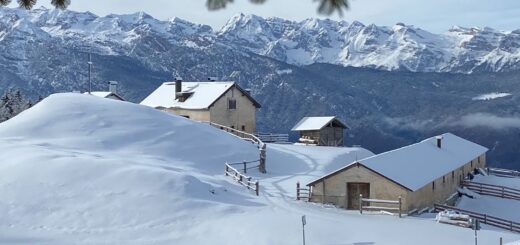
243 128
443 179
232 104
433 185
452 175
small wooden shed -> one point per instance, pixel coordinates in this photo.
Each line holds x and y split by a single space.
322 131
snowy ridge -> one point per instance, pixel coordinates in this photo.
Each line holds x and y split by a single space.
491 96
400 47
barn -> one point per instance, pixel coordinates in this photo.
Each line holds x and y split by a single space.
422 174
322 131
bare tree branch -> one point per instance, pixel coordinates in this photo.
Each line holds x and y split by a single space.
5 2
328 7
26 4
217 4
60 4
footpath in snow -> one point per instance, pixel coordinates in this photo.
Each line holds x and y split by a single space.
78 169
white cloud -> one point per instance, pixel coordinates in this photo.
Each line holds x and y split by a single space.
488 120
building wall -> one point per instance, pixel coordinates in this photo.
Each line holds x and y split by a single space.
382 188
243 116
331 136
197 115
445 186
336 187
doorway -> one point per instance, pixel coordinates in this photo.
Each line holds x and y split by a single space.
353 191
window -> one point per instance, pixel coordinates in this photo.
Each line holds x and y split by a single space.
443 179
232 104
243 127
452 175
433 185
478 160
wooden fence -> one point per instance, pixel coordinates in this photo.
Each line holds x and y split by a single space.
493 190
273 138
242 179
396 203
262 147
483 218
503 172
302 193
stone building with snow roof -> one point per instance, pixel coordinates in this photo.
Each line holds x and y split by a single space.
422 174
224 103
322 131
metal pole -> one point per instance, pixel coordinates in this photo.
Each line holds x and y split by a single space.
89 73
476 242
304 222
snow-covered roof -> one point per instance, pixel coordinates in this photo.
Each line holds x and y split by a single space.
203 95
419 164
104 94
315 123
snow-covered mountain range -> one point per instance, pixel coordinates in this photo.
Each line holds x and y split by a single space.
401 47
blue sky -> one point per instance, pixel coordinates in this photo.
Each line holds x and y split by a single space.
436 16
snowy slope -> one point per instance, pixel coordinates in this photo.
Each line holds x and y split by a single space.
86 170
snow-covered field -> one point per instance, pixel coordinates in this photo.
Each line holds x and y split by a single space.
77 169
495 206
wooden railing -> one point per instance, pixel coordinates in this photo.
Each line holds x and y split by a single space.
396 203
483 218
503 172
493 190
273 138
302 193
262 147
242 179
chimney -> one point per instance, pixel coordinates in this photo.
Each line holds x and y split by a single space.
178 87
439 141
112 87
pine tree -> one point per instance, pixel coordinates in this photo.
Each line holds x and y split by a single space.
13 103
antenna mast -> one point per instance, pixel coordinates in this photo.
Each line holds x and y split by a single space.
89 73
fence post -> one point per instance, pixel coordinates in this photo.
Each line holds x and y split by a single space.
262 159
502 192
400 204
361 203
298 190
245 167
511 225
485 219
501 241
257 187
